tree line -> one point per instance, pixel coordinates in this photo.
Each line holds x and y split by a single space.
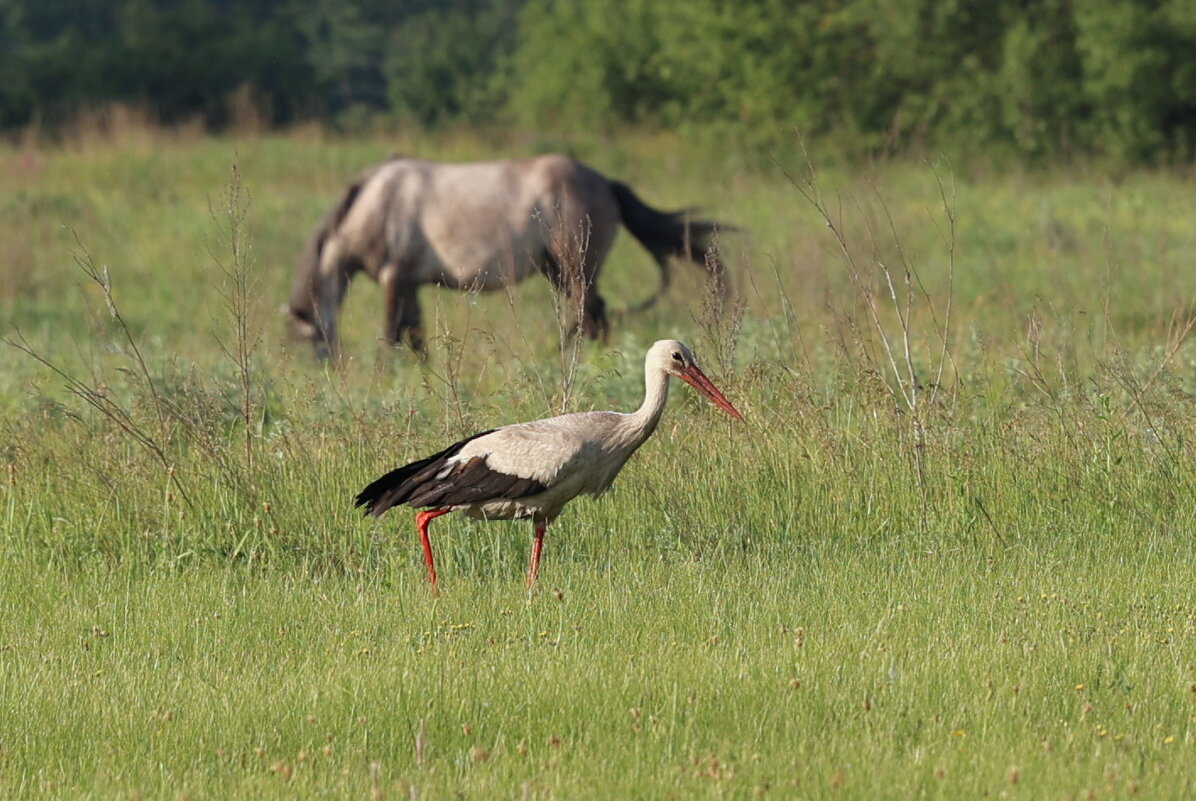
1034 78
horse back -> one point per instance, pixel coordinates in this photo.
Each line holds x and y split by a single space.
495 222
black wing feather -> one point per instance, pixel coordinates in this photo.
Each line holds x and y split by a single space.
473 482
417 485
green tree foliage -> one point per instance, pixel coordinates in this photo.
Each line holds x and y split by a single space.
1041 78
1140 73
16 97
445 63
344 44
436 61
1036 78
186 58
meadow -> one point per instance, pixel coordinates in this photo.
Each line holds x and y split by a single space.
948 555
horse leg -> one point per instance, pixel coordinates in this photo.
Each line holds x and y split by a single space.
593 315
567 291
411 324
592 307
403 317
329 295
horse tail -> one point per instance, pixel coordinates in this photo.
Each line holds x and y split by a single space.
666 234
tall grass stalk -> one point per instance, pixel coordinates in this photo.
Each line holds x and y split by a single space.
235 263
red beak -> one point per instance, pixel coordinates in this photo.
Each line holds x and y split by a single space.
698 380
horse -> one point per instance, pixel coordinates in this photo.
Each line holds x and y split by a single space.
480 226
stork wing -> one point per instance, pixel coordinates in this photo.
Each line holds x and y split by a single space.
471 481
545 451
443 479
508 463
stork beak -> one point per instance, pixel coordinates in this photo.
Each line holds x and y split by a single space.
698 380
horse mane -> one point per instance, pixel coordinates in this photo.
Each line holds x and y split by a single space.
302 304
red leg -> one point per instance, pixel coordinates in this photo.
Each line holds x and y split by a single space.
537 547
422 518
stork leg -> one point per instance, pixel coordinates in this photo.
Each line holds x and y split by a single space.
537 547
422 518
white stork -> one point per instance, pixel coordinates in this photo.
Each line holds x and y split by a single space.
534 469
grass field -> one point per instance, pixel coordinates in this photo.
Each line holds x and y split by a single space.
949 554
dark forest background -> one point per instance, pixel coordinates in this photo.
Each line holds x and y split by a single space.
1046 79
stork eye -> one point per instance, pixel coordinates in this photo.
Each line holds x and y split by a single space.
676 355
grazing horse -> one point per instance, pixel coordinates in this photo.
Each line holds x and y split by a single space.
482 226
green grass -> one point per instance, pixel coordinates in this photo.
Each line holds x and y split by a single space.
987 591
937 675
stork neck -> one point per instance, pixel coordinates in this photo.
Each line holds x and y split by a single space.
656 392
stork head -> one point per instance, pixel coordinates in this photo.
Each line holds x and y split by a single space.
673 358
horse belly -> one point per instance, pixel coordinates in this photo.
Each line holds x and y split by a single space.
484 265
482 224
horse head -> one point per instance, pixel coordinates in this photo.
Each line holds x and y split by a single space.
302 329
